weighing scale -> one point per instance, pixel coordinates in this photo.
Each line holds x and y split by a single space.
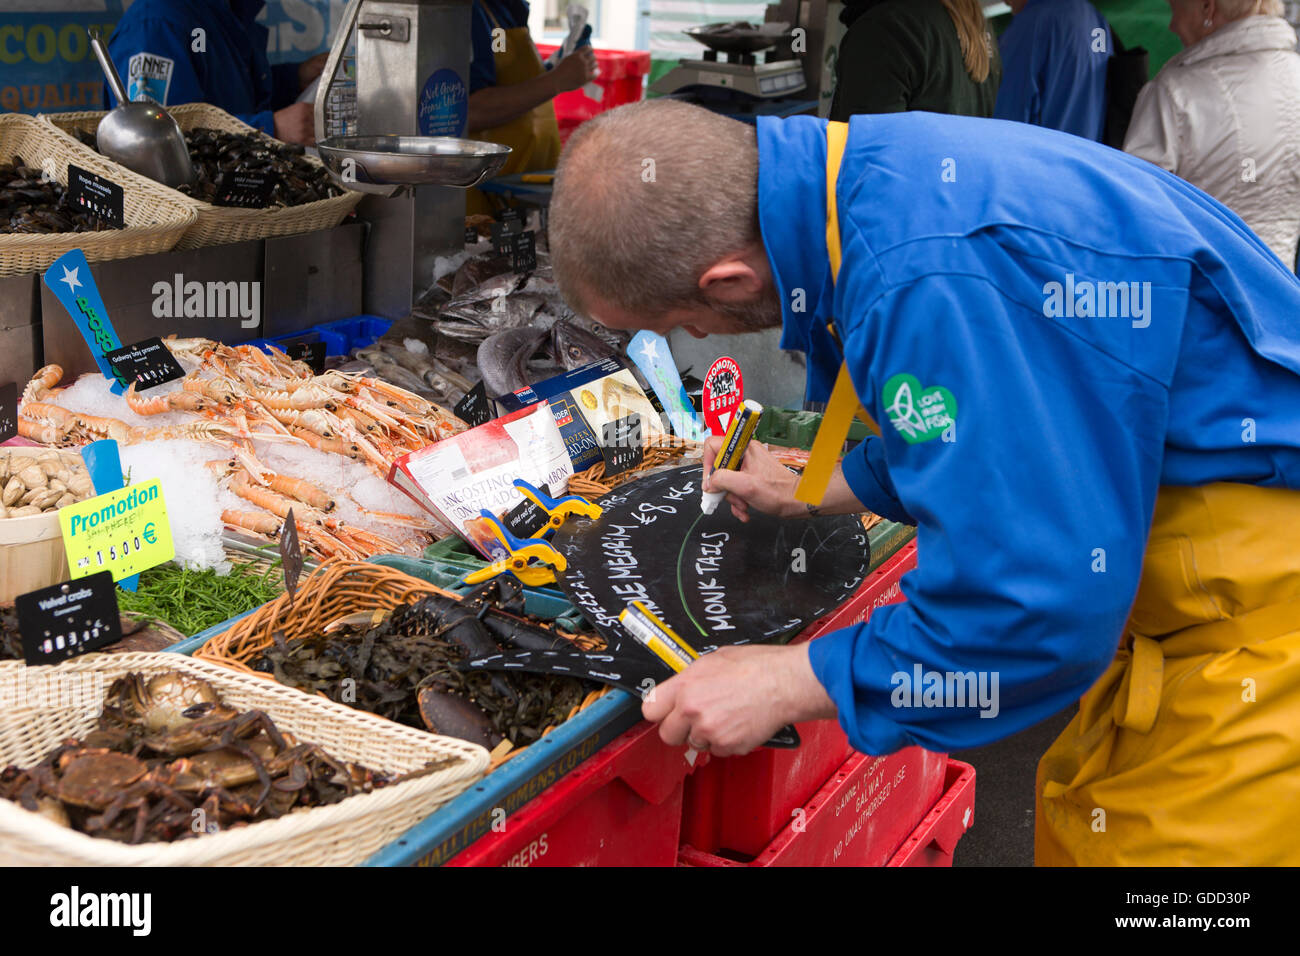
406 98
730 65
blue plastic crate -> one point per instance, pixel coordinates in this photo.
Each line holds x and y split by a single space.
340 336
357 332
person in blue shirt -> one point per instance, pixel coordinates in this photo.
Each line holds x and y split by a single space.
1086 375
1054 60
212 51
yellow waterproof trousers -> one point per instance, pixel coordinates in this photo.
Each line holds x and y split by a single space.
1187 750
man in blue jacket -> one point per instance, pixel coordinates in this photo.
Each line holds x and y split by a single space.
1087 377
213 51
1054 59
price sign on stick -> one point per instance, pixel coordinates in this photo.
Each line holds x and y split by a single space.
290 555
147 363
102 198
8 411
313 353
125 532
621 444
724 390
474 409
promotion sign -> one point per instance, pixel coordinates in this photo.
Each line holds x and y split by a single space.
69 278
724 390
124 531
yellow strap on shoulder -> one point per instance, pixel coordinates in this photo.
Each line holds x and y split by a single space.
837 138
843 404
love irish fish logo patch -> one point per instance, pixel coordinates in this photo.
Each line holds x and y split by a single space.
919 414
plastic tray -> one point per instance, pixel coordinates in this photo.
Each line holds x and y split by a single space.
935 840
340 337
741 803
859 817
621 78
510 787
623 807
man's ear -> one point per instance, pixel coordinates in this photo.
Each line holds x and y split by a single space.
735 278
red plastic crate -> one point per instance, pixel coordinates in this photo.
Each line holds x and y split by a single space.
738 804
622 77
933 842
859 817
622 807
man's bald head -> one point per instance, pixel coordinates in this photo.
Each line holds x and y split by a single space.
647 197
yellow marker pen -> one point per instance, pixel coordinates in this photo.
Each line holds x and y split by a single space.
660 639
734 443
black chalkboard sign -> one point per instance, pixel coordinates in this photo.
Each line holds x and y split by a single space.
147 363
100 197
525 519
523 252
504 235
712 579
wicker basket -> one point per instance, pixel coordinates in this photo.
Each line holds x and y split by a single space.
336 589
342 833
155 216
220 224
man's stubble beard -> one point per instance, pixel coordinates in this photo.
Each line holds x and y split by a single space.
762 313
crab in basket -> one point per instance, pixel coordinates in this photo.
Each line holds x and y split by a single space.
169 759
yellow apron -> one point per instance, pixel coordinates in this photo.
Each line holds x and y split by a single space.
533 137
843 405
1187 750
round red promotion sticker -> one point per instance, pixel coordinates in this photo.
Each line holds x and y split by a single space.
724 390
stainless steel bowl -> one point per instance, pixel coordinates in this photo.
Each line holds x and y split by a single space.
738 37
387 163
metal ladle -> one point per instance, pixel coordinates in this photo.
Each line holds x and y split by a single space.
143 137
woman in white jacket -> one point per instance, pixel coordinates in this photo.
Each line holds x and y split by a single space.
1224 114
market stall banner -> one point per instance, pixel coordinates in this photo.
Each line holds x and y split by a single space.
46 65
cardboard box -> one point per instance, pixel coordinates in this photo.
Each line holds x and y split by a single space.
459 477
586 399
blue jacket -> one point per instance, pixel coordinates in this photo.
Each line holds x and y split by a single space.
154 50
1054 67
974 253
